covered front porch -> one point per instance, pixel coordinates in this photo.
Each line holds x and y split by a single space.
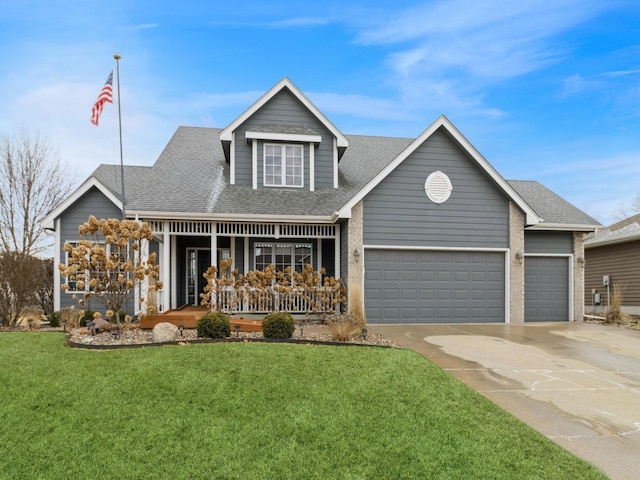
185 251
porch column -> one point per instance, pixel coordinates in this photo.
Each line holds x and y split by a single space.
214 244
166 271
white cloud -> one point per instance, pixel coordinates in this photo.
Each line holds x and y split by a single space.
449 51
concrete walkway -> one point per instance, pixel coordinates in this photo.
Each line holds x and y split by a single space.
576 383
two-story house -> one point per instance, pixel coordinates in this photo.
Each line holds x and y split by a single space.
426 226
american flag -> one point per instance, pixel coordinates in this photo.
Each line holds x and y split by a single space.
106 95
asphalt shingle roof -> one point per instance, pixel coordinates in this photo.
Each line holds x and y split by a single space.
191 175
551 207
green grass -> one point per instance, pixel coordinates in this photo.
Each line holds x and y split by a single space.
253 411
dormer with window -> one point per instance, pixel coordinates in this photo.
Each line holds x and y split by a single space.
283 141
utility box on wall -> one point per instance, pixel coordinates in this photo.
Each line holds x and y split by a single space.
606 280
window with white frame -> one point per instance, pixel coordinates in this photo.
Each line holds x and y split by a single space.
283 255
283 165
72 282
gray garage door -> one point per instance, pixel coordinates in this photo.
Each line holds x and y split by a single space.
546 289
404 286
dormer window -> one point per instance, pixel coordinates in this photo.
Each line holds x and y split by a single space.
283 165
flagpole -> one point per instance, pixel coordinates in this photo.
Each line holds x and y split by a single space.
117 58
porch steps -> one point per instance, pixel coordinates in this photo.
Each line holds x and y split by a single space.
188 316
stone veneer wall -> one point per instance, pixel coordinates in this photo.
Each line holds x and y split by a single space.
578 276
516 270
355 240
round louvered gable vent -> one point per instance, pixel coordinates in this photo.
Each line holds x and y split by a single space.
438 187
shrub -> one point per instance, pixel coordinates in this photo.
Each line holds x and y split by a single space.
344 327
87 317
278 325
54 319
214 325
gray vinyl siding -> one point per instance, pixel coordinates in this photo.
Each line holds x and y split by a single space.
398 212
548 242
239 257
620 261
285 109
92 203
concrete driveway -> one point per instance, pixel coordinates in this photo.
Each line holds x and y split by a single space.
576 383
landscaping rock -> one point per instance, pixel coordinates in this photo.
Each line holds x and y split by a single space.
165 332
100 324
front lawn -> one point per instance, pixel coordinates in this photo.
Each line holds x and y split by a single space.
253 411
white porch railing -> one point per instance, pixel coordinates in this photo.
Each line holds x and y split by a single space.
298 300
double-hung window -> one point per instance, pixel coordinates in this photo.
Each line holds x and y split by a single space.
283 165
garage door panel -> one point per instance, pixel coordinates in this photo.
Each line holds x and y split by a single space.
546 289
436 287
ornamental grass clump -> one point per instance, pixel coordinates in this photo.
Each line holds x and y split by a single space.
278 325
214 325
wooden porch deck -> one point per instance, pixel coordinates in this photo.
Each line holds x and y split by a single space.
189 315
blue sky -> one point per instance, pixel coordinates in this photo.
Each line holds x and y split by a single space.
546 91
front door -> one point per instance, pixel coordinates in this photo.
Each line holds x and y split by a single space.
198 261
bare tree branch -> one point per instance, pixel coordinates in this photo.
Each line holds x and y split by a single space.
32 183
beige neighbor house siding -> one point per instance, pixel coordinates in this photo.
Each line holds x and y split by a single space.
622 262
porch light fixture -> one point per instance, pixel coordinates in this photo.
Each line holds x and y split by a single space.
519 257
236 327
581 261
364 333
356 254
116 332
181 328
301 326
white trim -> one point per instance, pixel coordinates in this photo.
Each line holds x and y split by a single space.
565 227
335 164
336 255
531 217
224 217
225 134
168 273
214 249
312 168
254 164
232 160
48 221
246 254
507 287
285 137
56 261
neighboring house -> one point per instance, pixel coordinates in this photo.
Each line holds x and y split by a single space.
613 258
426 226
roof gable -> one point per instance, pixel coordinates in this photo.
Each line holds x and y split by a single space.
285 83
443 122
49 221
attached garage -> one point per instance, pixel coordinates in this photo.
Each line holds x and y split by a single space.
546 289
422 286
